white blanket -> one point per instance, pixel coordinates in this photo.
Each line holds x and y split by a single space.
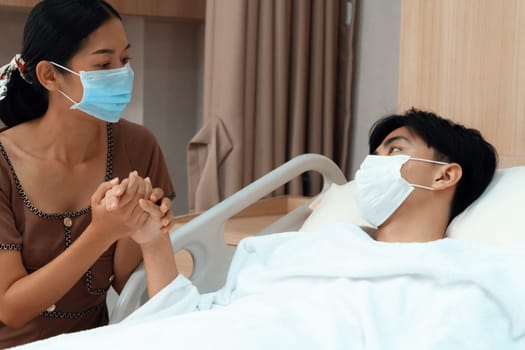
335 289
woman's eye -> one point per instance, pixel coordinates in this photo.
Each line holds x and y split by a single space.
126 60
103 65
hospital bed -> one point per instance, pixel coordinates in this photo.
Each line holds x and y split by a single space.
497 210
327 284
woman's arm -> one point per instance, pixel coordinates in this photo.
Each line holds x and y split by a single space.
24 296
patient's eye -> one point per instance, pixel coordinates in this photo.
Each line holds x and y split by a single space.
394 149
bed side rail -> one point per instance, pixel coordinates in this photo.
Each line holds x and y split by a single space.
203 237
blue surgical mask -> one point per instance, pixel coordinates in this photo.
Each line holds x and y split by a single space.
106 92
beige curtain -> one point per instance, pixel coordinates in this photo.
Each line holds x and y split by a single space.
277 83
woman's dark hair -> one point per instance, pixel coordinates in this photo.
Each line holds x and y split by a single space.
55 30
451 143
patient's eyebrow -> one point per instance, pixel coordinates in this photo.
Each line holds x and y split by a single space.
391 140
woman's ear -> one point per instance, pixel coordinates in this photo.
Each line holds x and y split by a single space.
447 176
47 75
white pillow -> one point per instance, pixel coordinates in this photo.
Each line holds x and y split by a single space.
496 216
336 204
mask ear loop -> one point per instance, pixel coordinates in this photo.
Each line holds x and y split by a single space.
64 68
66 96
70 71
423 187
428 161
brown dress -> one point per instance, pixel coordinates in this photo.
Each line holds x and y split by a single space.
40 236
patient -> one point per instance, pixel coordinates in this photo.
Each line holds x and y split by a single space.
336 288
422 172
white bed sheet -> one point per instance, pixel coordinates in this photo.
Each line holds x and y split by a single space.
335 288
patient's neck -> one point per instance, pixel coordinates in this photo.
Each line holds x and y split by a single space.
422 225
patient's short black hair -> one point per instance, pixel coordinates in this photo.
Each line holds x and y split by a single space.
451 142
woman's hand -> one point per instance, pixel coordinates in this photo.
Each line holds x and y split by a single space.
115 209
153 219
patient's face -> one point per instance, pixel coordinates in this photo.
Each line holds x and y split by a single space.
403 141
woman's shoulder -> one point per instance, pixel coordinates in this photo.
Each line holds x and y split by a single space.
133 131
133 136
134 140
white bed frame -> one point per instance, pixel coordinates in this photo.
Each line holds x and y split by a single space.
203 237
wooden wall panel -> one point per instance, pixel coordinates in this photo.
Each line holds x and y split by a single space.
465 59
18 3
190 9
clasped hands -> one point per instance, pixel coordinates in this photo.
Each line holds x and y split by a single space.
130 208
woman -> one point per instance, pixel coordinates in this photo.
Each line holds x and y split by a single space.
68 228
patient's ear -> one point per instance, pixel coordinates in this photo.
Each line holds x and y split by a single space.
46 75
447 176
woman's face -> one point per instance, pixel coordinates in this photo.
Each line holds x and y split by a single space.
105 48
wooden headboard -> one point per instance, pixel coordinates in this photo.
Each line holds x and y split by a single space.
465 60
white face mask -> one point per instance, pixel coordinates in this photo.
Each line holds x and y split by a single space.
380 188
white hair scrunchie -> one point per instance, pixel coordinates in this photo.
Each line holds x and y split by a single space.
17 63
